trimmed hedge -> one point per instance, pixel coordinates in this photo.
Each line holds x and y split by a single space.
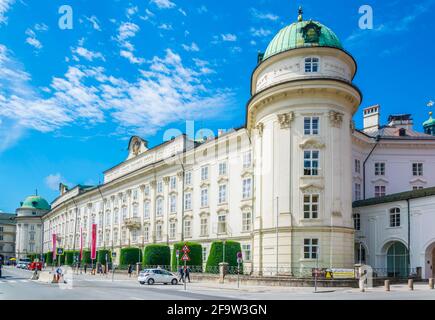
130 256
69 257
101 256
49 258
61 259
216 255
157 255
86 257
195 255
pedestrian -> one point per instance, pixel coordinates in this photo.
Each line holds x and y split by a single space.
187 273
180 271
130 270
1 265
85 267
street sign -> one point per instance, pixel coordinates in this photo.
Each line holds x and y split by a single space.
239 260
186 249
185 257
177 253
239 255
59 251
113 254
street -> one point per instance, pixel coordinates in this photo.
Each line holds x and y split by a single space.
16 284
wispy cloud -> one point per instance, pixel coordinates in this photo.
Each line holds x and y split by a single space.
95 22
32 37
126 31
163 4
262 15
229 37
53 180
260 32
193 47
87 54
5 5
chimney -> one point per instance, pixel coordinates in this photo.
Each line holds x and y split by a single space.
371 118
401 121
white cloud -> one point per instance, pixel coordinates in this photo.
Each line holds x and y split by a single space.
4 7
131 11
163 4
53 180
182 12
263 16
229 37
126 31
260 32
193 47
87 54
41 27
95 22
32 40
165 26
202 9
131 57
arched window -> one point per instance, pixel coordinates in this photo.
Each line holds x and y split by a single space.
397 260
311 64
394 217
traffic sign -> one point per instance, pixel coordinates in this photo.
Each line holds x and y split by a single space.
239 255
185 257
186 249
59 251
177 253
113 254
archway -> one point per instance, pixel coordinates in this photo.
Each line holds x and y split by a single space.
430 261
397 260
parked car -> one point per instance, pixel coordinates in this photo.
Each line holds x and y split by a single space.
151 276
35 265
23 263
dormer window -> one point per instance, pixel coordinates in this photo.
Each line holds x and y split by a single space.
311 64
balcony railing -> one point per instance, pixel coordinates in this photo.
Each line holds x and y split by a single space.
132 223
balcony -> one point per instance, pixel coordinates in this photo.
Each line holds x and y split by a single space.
132 223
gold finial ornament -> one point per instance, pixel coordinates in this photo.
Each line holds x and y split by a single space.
300 14
430 104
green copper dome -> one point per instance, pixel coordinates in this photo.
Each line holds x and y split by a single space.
35 202
302 34
429 122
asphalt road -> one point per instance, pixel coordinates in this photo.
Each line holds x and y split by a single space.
16 285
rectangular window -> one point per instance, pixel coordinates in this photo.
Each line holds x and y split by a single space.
146 209
147 190
222 198
204 197
187 228
311 206
357 191
188 201
173 183
134 235
172 228
173 203
311 248
247 188
222 168
246 252
357 221
379 191
188 178
135 194
222 224
159 205
146 233
417 169
357 166
380 169
395 217
160 187
246 221
311 162
124 213
247 159
311 125
311 65
204 227
204 173
417 187
135 210
159 229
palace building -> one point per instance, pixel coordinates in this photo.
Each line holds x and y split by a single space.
283 185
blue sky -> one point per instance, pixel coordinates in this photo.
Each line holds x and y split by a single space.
70 99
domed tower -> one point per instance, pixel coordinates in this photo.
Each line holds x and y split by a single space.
429 124
300 118
29 226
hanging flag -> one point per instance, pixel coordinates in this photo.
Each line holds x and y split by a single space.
81 244
94 242
54 246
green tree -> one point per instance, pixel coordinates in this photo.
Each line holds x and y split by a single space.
130 256
216 255
157 255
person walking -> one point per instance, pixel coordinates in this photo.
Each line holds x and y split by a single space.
85 267
1 266
187 273
180 271
130 270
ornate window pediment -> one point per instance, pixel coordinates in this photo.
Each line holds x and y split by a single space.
380 180
311 188
246 207
204 214
418 180
312 143
205 184
246 173
188 189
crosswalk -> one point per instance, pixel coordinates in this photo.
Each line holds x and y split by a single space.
14 281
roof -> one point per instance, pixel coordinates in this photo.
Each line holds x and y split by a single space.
302 34
414 194
393 132
429 122
7 218
35 202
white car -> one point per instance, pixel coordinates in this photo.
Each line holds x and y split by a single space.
151 276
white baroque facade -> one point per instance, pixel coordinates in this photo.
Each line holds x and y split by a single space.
282 185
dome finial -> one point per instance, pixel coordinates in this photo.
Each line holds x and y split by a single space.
300 14
430 104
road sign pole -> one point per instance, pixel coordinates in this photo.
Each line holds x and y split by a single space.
185 269
238 274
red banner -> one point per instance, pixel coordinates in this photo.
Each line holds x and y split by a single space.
54 246
94 242
81 244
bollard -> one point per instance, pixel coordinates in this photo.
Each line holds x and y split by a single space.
411 284
387 285
431 283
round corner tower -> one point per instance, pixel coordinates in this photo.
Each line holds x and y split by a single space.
300 118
